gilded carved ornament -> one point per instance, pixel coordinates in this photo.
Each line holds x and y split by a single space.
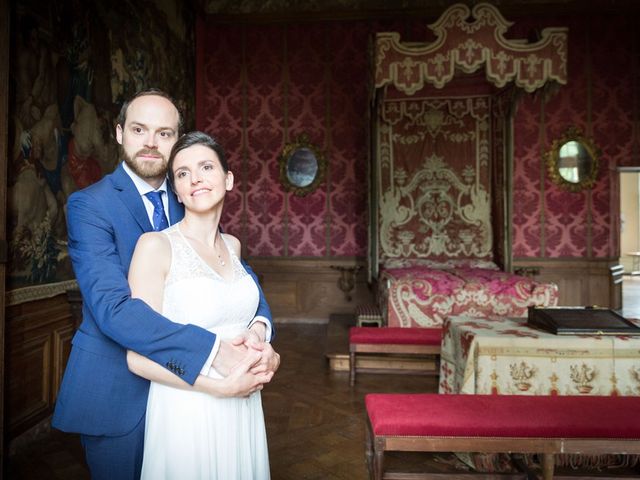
572 161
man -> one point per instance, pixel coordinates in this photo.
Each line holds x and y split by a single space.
99 397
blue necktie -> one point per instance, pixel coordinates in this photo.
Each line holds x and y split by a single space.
159 218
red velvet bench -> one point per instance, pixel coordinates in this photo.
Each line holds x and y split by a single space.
545 425
397 340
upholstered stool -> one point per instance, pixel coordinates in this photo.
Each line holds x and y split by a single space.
396 340
368 315
545 425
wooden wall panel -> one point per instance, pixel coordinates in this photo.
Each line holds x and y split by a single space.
307 289
580 282
38 337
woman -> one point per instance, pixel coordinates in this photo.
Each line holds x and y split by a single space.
192 271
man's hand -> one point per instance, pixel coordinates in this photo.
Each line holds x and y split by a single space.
241 382
229 355
253 339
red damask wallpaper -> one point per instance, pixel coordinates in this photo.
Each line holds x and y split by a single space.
261 85
599 100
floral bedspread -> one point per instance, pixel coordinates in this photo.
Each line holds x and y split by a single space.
420 296
505 356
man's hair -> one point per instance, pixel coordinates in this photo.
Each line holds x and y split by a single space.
122 116
189 140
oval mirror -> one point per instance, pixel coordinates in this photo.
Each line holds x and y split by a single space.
573 161
302 166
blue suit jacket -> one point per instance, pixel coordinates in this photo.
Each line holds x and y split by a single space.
99 395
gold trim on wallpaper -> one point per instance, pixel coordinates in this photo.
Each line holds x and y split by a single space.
38 292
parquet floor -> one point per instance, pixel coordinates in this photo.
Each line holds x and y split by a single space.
315 421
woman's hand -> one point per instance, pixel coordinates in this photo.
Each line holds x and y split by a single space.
241 382
270 360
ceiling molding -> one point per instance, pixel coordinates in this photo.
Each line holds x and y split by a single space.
252 11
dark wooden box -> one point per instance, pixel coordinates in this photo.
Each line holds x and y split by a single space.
581 321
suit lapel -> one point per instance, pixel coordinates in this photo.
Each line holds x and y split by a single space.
130 197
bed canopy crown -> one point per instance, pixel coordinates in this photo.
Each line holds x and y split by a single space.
470 45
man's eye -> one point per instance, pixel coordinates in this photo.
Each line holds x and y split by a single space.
165 134
137 129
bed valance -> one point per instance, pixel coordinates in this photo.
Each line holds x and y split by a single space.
469 45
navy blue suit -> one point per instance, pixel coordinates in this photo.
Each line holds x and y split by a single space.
99 396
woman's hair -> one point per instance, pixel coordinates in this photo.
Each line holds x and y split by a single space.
189 140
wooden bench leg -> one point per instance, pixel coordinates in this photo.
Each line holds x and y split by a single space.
352 368
378 460
547 466
369 450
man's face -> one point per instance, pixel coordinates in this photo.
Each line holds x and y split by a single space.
146 138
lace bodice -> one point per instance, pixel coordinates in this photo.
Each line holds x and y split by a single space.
197 294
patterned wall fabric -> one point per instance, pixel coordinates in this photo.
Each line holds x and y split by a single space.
248 95
260 87
548 221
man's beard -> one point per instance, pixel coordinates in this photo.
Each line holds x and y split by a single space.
145 169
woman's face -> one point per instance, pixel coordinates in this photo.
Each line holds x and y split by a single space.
199 179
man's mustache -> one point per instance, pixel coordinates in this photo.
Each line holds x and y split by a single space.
149 151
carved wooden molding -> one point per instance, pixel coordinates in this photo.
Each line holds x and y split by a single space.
469 45
38 292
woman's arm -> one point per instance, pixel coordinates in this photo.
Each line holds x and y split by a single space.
239 383
147 274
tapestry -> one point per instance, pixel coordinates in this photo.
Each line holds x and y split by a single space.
73 64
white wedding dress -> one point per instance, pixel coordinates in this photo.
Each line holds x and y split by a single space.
192 435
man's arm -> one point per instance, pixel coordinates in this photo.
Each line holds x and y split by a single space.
147 276
96 249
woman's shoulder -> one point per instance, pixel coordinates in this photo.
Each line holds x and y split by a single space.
154 242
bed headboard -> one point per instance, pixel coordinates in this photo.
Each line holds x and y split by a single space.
434 179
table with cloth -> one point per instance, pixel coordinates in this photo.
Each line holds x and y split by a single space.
505 356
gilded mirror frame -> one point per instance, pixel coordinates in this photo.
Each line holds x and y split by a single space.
296 162
586 158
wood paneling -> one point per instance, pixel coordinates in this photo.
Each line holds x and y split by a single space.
307 289
580 281
38 344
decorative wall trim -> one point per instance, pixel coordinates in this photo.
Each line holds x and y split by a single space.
38 292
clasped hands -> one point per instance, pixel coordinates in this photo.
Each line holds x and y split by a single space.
247 362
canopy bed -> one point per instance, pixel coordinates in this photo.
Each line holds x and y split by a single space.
441 166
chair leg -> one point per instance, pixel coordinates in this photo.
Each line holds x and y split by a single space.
369 451
378 461
352 368
547 466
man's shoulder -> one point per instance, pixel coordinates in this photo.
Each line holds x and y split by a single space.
102 186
